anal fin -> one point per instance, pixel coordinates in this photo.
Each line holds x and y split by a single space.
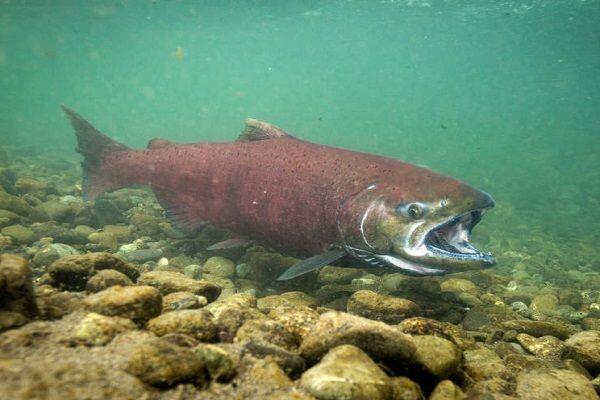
312 263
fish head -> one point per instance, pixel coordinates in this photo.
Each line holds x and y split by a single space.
425 230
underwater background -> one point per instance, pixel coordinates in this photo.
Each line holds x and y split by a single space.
503 95
107 299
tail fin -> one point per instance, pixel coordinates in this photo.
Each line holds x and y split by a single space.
93 145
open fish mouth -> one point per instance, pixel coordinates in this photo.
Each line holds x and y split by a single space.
450 241
443 248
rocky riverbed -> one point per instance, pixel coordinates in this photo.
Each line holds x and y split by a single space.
107 299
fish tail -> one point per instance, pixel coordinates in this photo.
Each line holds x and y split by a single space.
95 147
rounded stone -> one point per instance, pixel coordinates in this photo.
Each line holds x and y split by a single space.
458 285
106 278
544 384
390 309
295 298
20 234
584 347
437 356
168 282
346 372
183 301
52 252
220 364
97 330
163 364
219 266
195 323
138 303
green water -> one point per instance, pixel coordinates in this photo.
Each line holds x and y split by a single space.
502 94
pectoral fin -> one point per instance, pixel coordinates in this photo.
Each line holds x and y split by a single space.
312 263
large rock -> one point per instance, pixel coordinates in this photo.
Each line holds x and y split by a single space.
584 347
163 364
346 372
73 272
196 323
168 282
16 289
138 303
554 384
390 309
377 339
437 356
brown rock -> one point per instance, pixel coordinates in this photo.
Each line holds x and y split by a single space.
138 303
168 282
105 279
196 323
390 309
16 289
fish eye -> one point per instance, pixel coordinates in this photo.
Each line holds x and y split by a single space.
411 210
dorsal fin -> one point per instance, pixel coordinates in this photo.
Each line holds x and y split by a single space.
157 143
260 130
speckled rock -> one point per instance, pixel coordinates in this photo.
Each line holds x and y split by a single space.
163 364
390 309
447 390
584 347
539 328
547 347
138 303
168 282
183 301
298 320
106 278
554 384
16 289
220 363
377 339
97 330
20 234
330 274
195 323
52 252
285 299
346 372
219 266
436 356
265 331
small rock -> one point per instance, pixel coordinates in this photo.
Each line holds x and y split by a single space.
330 274
16 288
483 364
195 323
138 303
346 372
265 332
458 285
182 301
377 339
169 282
546 347
97 330
426 326
52 252
106 278
141 256
285 299
437 356
220 364
219 266
539 328
298 320
392 310
20 234
546 384
405 389
584 347
447 390
163 364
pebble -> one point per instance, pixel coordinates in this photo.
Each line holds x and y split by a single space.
390 309
168 282
138 303
97 330
379 340
106 278
346 372
195 323
437 356
163 364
